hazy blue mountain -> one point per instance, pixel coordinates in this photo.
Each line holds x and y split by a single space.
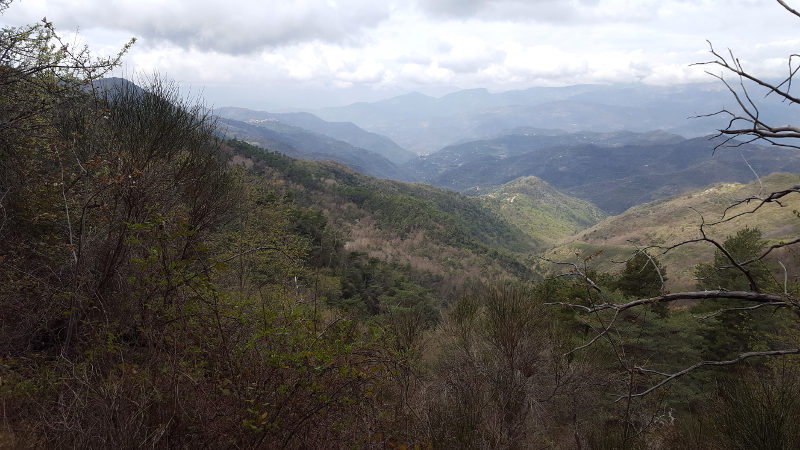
300 143
344 131
613 176
524 140
426 124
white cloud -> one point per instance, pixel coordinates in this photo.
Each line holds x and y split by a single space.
354 49
236 27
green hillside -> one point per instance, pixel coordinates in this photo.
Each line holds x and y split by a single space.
428 228
545 214
677 219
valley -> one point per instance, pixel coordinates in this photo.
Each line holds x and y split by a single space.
539 192
602 265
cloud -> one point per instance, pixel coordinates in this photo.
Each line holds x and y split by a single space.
282 48
423 75
544 11
241 27
369 72
471 55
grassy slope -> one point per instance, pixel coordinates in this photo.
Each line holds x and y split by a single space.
677 219
544 213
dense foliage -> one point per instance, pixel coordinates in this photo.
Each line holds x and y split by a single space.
162 287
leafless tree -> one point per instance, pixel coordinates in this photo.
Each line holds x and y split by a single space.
745 124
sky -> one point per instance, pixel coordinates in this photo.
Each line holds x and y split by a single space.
305 54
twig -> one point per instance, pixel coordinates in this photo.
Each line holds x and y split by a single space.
672 376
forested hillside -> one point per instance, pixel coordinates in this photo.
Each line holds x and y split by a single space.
163 286
430 229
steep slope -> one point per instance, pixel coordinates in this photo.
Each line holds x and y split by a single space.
300 143
344 131
666 222
541 211
430 229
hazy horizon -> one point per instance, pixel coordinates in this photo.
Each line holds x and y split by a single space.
315 53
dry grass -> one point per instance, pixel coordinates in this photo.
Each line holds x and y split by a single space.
678 219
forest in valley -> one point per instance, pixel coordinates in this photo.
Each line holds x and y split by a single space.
174 278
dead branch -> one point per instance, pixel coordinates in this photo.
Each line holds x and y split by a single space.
575 270
773 197
597 336
750 296
650 261
745 308
672 376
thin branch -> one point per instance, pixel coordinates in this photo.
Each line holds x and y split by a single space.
597 336
785 279
766 252
673 376
575 269
751 281
746 308
773 197
650 261
750 296
761 189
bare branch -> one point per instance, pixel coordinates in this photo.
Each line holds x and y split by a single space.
750 296
673 376
737 69
650 261
766 252
746 308
773 197
597 336
575 269
789 8
751 281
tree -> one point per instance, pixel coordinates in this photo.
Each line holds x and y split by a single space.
738 272
734 329
644 276
747 244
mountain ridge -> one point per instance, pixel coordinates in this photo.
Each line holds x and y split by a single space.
344 131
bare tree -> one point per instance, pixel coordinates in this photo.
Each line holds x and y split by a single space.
745 124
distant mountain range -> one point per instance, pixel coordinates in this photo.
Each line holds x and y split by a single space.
301 143
426 124
342 131
614 171
491 139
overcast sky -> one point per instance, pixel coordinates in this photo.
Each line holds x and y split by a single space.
308 53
